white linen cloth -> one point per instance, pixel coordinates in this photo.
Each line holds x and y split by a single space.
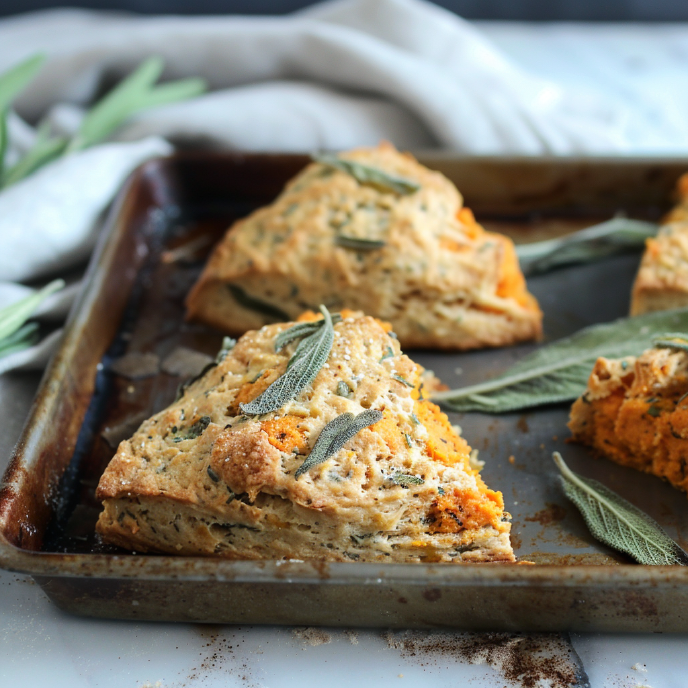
341 74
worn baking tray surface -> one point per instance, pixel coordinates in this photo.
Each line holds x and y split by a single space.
161 229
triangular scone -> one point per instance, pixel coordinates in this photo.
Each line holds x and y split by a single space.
635 412
662 280
434 273
203 478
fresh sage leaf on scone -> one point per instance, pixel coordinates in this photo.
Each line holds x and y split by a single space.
252 303
336 434
559 372
368 175
309 357
357 243
618 523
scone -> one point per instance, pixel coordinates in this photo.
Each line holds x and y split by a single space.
635 412
397 245
662 279
356 466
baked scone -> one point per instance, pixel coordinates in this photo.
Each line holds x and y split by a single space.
635 412
662 280
210 476
402 249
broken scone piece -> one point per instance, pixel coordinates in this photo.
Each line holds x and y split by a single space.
305 441
370 229
635 411
662 280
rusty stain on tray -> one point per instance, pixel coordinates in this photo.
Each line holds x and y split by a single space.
553 513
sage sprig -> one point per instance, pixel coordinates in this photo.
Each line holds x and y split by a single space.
335 435
618 523
368 175
300 330
12 83
559 372
44 149
357 243
310 356
135 93
15 335
617 235
254 304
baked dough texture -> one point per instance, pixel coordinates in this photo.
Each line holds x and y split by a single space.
202 478
634 413
440 279
662 280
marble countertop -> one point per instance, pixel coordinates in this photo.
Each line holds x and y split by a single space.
41 646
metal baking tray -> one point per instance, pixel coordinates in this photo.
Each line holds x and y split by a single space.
132 301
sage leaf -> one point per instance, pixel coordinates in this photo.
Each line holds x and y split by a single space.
618 523
369 176
3 142
343 390
406 479
23 338
389 353
301 330
12 83
310 356
15 80
672 340
14 316
44 150
253 304
335 435
357 243
585 246
559 371
133 94
198 428
403 381
228 343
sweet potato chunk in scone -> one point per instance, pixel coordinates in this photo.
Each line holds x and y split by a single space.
372 230
635 412
356 465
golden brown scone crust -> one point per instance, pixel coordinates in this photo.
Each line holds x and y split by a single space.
441 280
662 280
634 412
200 478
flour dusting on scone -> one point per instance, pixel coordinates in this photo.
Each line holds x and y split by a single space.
635 412
662 280
415 258
205 477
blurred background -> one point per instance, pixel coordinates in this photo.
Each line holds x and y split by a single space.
525 10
